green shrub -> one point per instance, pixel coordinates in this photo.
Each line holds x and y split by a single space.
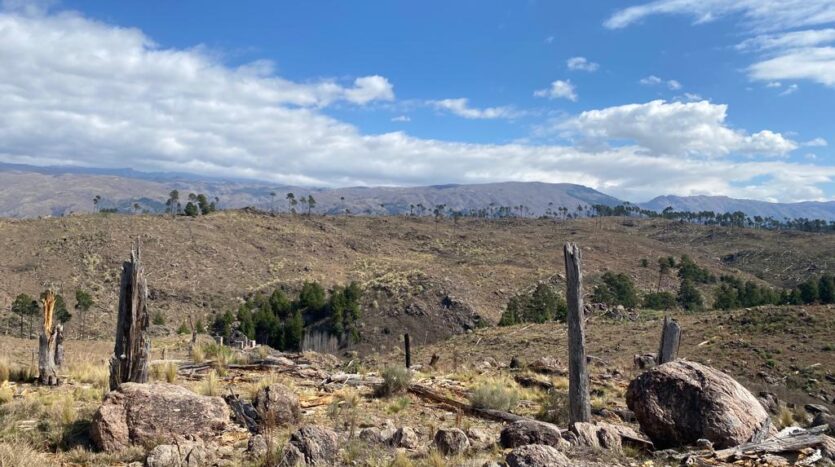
396 379
689 297
659 301
616 289
158 318
541 305
495 395
554 408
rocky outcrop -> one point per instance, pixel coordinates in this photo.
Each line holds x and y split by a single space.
277 405
451 441
146 413
536 455
311 445
190 453
679 402
524 432
405 437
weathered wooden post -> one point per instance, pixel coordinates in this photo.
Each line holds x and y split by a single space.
579 409
408 348
129 362
670 341
50 343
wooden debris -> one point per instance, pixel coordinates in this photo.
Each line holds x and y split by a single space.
50 343
788 440
426 392
670 341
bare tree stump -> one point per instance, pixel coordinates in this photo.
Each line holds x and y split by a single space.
579 409
408 348
670 341
129 362
50 343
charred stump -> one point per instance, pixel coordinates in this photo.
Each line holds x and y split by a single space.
50 343
129 362
579 408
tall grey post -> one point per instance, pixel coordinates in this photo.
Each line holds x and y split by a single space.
579 409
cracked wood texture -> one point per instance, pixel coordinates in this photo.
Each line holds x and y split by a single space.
129 362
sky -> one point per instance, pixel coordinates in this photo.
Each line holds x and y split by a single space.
635 99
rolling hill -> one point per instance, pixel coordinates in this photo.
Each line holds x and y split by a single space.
779 211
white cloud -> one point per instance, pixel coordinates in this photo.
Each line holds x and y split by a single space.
461 108
805 38
788 32
683 129
581 64
401 119
85 93
653 80
549 40
815 64
816 142
758 15
790 89
559 90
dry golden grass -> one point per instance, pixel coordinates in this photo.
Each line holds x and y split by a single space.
19 453
210 386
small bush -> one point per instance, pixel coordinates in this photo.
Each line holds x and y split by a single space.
400 404
395 379
211 385
616 289
183 329
659 301
197 354
158 318
496 395
554 408
6 393
5 369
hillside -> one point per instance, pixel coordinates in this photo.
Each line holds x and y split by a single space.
435 278
779 211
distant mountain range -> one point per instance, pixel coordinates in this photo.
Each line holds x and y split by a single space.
779 211
28 191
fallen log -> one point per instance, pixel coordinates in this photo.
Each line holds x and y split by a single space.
789 440
243 412
489 414
529 382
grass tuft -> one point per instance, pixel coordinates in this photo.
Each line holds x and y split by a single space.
211 385
498 394
396 379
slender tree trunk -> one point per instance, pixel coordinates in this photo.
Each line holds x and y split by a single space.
129 362
578 379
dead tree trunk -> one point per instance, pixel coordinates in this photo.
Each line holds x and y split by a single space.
670 341
579 409
50 343
408 348
129 362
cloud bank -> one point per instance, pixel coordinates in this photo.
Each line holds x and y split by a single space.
81 92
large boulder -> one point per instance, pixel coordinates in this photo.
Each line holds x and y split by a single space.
188 453
680 402
277 405
311 445
536 455
405 437
146 413
451 441
524 432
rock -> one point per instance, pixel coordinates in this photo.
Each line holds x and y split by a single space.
548 365
681 401
277 405
371 435
815 409
257 446
524 432
451 441
480 438
405 437
597 436
536 455
825 419
491 464
311 445
769 401
190 453
146 413
515 363
644 361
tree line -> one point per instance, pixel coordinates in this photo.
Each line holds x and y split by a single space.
27 307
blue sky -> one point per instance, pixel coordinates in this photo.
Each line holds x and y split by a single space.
636 99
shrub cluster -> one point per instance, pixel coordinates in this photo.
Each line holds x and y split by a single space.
541 305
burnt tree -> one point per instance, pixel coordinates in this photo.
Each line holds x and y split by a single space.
670 341
579 408
129 362
50 343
